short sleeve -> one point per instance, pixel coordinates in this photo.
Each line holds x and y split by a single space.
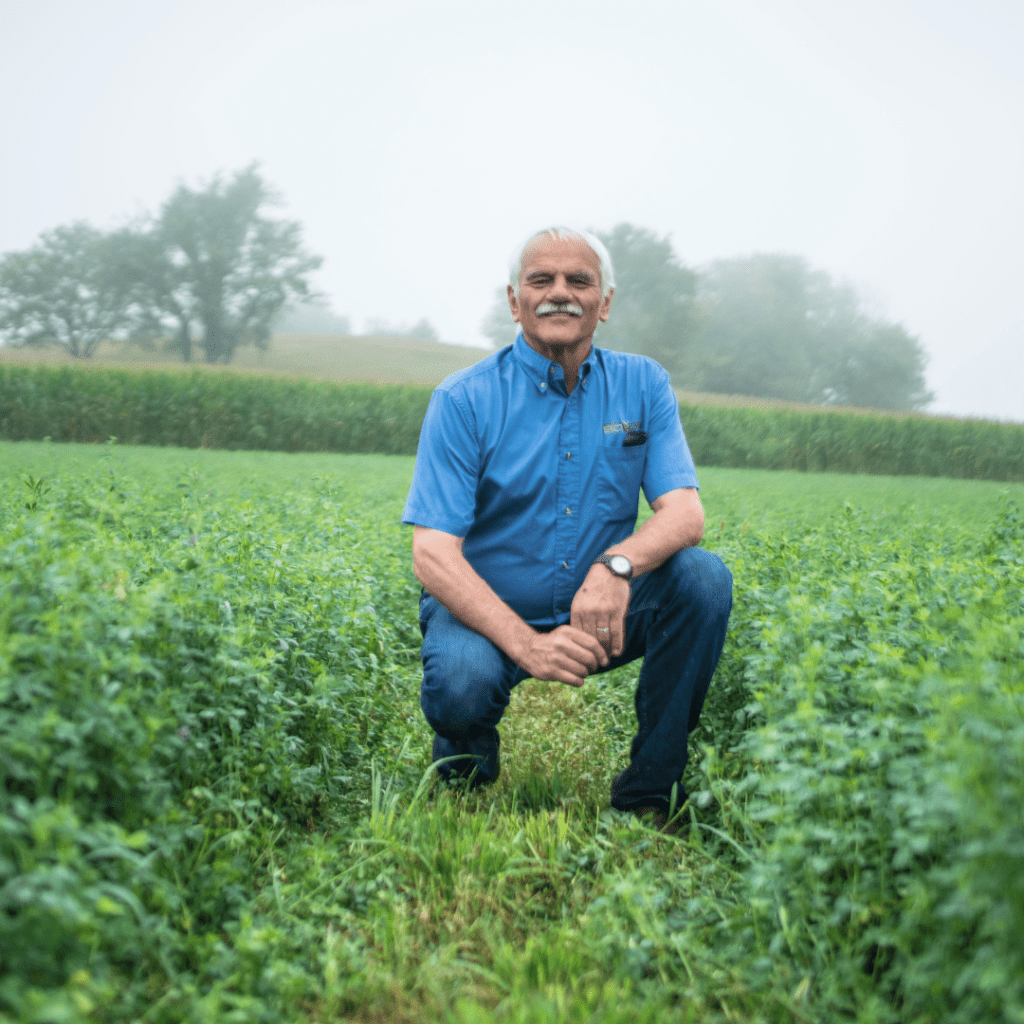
443 492
669 464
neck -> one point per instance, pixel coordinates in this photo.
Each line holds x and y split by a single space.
569 357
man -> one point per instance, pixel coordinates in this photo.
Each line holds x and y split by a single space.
524 501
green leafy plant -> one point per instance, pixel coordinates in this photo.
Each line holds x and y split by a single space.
216 801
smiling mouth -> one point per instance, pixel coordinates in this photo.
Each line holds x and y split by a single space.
559 308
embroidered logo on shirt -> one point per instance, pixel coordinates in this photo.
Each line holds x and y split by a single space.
622 426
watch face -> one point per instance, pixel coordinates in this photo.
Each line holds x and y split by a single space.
620 565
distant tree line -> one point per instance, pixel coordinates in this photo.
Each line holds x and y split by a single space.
767 325
314 316
209 271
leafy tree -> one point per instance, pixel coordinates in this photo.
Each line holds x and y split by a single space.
498 324
769 325
424 329
160 298
64 291
224 266
652 309
756 328
884 369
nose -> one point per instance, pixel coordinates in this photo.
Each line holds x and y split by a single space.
559 291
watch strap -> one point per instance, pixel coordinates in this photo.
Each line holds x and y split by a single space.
607 561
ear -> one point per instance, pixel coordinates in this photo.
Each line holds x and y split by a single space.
513 304
602 313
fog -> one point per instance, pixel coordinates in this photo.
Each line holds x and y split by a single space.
419 142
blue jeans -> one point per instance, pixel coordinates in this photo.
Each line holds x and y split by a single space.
676 622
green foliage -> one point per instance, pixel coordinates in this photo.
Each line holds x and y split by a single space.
652 309
844 443
260 413
182 681
211 261
63 291
229 267
210 410
214 803
768 325
868 768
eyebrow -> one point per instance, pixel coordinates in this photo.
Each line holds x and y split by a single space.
584 275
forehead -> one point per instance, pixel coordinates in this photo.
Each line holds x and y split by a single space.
569 255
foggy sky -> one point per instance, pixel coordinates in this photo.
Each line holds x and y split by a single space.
418 142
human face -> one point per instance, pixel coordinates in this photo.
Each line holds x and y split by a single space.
559 304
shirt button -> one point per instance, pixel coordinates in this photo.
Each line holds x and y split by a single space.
568 511
568 455
565 565
543 386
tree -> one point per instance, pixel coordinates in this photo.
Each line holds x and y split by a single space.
424 330
224 266
498 325
755 328
652 309
63 291
157 287
770 326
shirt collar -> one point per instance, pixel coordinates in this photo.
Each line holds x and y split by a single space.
539 369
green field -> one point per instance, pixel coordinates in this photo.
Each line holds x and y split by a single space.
212 753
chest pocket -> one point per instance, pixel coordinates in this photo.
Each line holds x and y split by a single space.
620 471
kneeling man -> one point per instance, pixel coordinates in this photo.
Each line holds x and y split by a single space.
524 501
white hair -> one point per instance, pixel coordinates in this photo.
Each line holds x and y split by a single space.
564 234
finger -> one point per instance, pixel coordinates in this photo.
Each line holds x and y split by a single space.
571 671
617 633
567 661
593 652
584 620
604 637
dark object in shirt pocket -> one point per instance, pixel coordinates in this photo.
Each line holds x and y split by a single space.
634 438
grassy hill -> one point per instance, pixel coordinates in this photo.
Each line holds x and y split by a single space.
390 358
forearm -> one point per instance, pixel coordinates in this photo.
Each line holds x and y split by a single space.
447 576
677 523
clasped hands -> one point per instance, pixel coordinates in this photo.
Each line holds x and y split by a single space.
595 634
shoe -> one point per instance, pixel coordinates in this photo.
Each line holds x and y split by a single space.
658 820
462 772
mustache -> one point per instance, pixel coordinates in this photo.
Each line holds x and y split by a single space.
547 308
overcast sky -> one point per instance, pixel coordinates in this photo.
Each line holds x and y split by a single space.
419 142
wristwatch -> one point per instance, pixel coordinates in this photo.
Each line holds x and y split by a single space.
618 564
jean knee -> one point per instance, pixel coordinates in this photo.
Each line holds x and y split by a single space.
464 687
715 582
705 582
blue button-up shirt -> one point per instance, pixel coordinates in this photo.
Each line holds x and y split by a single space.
539 481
